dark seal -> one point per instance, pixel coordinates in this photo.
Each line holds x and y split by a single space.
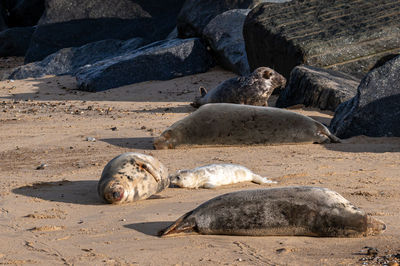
286 211
253 89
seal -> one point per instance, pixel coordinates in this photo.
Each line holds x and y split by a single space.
214 175
237 124
253 89
130 177
284 211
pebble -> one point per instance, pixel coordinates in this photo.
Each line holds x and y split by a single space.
41 167
90 139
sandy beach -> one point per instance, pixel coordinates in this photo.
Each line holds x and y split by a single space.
53 215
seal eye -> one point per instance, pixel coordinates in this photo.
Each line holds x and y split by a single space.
178 177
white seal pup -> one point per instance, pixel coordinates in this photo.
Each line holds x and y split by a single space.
132 176
253 89
284 211
236 124
214 175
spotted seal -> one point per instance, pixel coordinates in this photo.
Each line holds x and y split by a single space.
237 124
214 175
253 89
284 211
132 176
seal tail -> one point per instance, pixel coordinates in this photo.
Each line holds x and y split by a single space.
182 225
331 138
262 180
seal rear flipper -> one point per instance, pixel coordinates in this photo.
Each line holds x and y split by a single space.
262 180
180 226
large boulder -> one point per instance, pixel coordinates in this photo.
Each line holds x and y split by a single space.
15 41
73 23
196 14
224 34
69 60
161 60
317 87
26 13
348 36
375 110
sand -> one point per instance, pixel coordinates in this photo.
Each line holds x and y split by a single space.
53 215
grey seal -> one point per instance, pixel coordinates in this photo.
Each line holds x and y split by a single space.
285 211
253 89
130 177
237 124
214 175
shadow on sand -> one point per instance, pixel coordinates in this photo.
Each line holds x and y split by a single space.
77 192
149 228
132 143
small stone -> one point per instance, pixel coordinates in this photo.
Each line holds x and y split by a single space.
114 128
281 250
41 167
372 251
239 259
91 139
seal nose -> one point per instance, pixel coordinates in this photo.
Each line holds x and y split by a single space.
116 195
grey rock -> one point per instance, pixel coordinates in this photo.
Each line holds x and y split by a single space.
375 110
73 23
161 60
224 34
69 60
196 14
317 87
15 41
348 36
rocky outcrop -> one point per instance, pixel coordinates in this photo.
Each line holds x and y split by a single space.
316 87
161 60
73 23
375 110
15 41
224 34
196 14
69 60
345 35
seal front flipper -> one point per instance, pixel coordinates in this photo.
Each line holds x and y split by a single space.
184 225
146 166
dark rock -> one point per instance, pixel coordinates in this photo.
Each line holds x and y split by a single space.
3 15
375 110
348 36
26 13
224 34
73 23
196 14
161 60
15 41
316 87
69 60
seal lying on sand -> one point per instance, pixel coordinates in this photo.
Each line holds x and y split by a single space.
132 176
285 211
236 124
253 89
214 175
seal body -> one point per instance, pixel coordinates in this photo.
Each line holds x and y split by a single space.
214 175
285 211
236 124
132 176
253 89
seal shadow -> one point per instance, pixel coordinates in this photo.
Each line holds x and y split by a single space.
132 143
77 192
149 228
173 109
